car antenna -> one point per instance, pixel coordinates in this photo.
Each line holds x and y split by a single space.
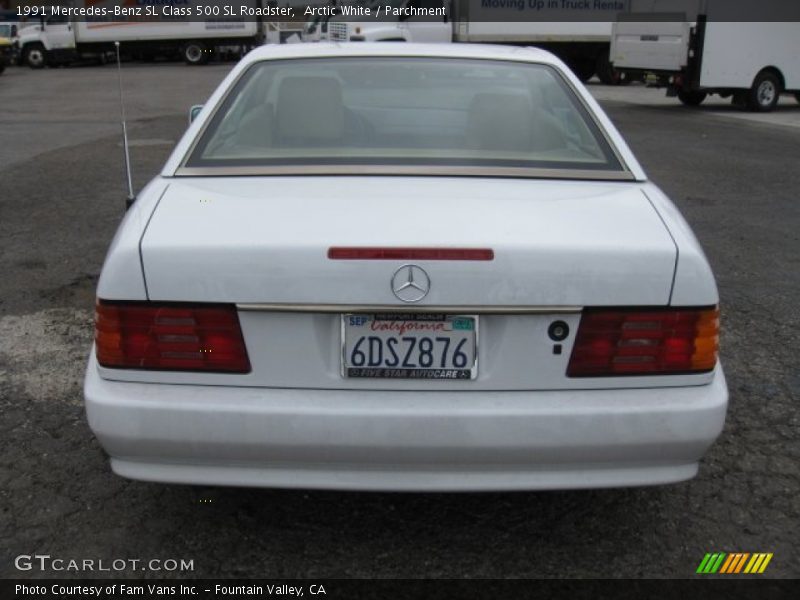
129 200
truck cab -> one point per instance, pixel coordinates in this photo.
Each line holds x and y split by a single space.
315 29
404 27
52 41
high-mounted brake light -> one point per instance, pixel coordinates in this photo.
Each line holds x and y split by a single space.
396 253
170 336
645 342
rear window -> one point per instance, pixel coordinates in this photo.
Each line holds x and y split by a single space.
409 112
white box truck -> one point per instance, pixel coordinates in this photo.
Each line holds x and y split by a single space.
709 50
578 31
62 38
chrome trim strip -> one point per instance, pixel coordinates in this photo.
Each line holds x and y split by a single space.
405 308
405 170
624 175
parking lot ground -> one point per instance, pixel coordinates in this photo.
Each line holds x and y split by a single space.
61 198
786 114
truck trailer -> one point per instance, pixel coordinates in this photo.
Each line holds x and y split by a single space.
709 50
61 39
578 32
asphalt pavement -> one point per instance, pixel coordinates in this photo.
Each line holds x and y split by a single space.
735 178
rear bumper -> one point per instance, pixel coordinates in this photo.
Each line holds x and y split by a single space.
423 441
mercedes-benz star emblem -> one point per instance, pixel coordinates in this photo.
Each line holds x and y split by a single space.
410 283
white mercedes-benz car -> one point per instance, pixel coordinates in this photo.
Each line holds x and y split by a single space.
405 267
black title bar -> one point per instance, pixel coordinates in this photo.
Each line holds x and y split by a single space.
445 11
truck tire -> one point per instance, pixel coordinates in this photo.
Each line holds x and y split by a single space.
765 93
606 72
691 98
195 53
35 56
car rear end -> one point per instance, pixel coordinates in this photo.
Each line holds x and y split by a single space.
379 329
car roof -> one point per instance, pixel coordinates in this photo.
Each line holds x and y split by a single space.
331 50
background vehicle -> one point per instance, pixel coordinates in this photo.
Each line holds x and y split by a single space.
583 45
701 53
59 40
5 50
8 44
315 29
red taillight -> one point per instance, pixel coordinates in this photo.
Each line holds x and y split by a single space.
396 253
170 336
645 342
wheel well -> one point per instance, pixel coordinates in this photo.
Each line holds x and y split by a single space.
775 71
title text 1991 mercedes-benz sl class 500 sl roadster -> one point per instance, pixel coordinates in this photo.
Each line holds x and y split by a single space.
405 267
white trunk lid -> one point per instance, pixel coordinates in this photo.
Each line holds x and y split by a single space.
265 240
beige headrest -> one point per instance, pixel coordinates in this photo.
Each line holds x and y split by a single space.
256 127
499 122
310 110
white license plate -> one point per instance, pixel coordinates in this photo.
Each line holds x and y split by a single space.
409 346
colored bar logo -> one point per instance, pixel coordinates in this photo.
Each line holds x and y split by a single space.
734 563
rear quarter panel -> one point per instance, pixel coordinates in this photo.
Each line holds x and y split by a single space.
122 277
694 283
